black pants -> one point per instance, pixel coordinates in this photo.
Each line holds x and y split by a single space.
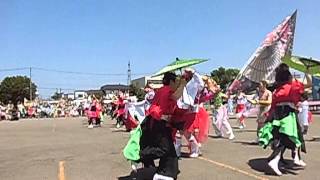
280 143
120 120
90 121
98 121
156 143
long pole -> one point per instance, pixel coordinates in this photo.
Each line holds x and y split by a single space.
30 85
129 74
129 77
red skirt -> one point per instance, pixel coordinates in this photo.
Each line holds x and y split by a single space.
120 112
130 123
92 115
200 122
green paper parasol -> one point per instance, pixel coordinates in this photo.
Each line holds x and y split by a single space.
179 64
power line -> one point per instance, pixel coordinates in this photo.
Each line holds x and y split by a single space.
85 73
82 73
78 73
52 88
72 84
15 69
73 72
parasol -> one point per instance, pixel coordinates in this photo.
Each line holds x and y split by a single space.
267 57
303 64
179 64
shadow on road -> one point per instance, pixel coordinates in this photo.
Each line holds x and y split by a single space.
215 136
261 165
119 130
237 129
141 174
185 155
313 139
247 143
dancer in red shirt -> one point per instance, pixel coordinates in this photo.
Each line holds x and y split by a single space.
120 111
282 129
156 140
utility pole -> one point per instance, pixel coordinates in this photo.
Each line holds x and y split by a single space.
60 94
30 85
129 74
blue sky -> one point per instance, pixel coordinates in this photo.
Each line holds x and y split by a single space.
102 36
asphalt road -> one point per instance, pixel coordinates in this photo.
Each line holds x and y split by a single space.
65 149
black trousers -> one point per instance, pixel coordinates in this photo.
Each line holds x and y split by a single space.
156 143
120 120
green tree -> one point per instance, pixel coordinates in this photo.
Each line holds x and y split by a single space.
56 96
16 88
224 76
138 92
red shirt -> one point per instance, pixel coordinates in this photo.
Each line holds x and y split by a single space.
162 103
289 92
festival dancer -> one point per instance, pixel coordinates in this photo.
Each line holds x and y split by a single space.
282 129
195 126
230 105
120 111
148 97
156 140
241 108
264 101
304 115
98 112
113 110
220 116
135 112
129 117
94 114
199 131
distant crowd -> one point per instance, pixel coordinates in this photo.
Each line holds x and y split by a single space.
46 109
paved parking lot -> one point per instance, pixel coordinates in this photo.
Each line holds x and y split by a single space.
65 149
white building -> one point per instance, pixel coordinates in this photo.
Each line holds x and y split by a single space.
155 82
112 90
80 94
69 96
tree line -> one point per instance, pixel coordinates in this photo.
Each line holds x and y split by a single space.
15 89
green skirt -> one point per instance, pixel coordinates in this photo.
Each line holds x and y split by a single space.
132 149
286 125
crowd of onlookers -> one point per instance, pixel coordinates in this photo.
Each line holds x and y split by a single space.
54 109
42 110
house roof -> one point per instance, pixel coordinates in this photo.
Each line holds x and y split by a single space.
80 91
94 91
113 87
